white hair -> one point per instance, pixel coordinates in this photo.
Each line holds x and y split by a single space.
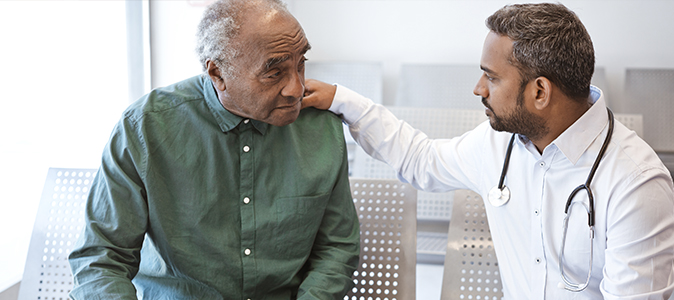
219 25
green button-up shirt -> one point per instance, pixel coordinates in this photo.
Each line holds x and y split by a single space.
193 202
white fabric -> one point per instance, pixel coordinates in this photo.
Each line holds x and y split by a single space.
633 193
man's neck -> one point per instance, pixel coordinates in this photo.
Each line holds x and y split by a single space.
559 119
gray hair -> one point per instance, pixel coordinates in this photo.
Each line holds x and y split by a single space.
549 40
219 25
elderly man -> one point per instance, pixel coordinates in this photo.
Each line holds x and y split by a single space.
219 187
550 149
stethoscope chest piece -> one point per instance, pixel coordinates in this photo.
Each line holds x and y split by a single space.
498 197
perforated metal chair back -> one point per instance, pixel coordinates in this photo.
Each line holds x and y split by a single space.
58 224
438 86
634 122
431 207
436 123
366 78
650 93
471 269
387 214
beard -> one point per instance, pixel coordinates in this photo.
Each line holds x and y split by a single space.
519 121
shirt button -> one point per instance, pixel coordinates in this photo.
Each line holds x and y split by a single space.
246 252
246 200
542 164
246 148
538 260
246 122
536 212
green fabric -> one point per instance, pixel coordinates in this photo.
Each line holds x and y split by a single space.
173 180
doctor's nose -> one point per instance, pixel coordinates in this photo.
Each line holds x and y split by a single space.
480 88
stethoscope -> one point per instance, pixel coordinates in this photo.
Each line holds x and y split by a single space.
500 195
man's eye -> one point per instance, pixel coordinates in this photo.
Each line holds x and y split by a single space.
300 66
274 74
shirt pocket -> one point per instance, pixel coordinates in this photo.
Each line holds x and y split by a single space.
297 222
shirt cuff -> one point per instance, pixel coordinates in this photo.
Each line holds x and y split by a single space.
349 104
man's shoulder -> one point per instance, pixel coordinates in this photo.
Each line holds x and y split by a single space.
317 123
635 155
311 115
166 98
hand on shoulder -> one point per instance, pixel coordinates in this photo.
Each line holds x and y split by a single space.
318 94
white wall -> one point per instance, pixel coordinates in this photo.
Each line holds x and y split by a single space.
64 84
173 25
626 33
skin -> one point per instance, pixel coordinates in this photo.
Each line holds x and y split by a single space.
268 79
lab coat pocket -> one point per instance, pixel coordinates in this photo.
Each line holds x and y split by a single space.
297 222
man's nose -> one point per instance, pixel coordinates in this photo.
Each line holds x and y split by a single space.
480 88
295 86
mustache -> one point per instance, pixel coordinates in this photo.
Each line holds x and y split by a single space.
291 101
484 102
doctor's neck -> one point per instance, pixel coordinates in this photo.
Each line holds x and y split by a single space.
559 114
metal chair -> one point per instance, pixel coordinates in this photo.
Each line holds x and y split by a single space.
634 122
433 209
57 226
366 78
649 93
471 269
387 213
438 86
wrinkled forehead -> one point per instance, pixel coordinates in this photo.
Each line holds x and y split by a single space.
268 37
271 28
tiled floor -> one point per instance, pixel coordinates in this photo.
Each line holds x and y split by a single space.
429 281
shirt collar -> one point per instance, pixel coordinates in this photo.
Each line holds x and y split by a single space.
576 139
226 120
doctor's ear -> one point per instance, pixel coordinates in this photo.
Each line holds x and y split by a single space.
543 92
215 74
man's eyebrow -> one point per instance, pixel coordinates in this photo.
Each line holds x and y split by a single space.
275 61
487 70
306 48
271 62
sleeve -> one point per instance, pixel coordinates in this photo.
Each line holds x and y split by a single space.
335 252
432 165
640 239
107 255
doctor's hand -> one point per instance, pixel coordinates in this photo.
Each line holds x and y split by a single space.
318 94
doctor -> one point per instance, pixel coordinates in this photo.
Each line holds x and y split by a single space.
579 206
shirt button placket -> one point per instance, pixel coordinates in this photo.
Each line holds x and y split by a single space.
246 189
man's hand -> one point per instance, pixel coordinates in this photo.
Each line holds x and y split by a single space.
318 94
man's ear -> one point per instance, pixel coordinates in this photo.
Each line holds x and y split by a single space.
543 92
216 76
